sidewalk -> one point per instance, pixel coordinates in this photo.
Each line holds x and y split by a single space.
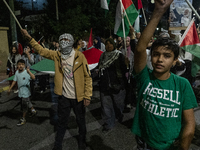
5 85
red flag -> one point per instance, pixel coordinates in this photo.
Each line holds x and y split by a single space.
190 42
139 4
90 42
190 37
92 55
20 48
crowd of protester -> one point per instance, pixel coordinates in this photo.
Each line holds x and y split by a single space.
117 80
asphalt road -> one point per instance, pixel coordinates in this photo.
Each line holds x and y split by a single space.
39 134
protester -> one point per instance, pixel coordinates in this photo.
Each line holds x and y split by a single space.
13 57
53 46
77 44
23 77
28 57
103 40
72 82
83 46
43 43
164 117
98 44
115 40
112 69
57 46
119 43
138 34
18 46
130 94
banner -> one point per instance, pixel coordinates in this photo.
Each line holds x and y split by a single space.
180 14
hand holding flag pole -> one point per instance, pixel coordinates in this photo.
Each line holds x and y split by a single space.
12 14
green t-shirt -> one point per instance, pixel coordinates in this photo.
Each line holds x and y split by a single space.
158 116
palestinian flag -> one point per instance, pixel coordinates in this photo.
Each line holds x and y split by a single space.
190 42
139 4
104 4
92 55
90 42
44 66
132 14
137 21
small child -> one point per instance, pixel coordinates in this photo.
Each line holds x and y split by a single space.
23 77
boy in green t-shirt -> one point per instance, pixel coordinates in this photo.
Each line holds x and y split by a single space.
164 118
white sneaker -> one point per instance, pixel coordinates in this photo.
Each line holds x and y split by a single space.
16 91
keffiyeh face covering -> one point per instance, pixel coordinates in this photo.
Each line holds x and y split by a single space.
65 45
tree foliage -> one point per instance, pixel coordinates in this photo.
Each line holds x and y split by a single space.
76 17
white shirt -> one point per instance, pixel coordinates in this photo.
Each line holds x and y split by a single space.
68 82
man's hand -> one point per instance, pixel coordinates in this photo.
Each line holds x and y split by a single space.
162 5
26 35
132 32
131 29
86 102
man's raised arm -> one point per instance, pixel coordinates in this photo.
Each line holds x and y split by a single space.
140 54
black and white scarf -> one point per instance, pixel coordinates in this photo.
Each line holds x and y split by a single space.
107 58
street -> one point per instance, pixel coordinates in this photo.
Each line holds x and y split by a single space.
39 134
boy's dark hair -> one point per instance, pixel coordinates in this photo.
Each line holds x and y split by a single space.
21 61
168 43
111 42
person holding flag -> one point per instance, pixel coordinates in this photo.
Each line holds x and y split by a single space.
164 117
73 84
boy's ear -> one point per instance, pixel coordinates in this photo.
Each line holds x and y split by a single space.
175 61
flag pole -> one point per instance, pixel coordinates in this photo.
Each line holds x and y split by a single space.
193 9
122 6
40 38
13 14
123 27
186 31
144 16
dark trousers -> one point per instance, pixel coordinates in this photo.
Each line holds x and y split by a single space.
112 106
131 92
64 108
